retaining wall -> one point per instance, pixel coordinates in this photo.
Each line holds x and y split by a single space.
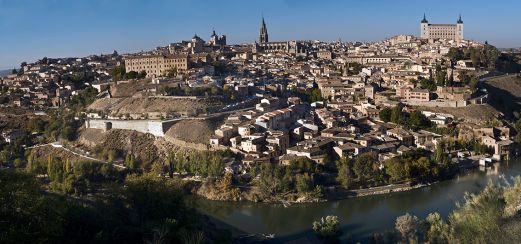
156 128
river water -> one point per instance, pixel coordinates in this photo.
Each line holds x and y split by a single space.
360 217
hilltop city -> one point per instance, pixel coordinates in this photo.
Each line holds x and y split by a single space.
271 121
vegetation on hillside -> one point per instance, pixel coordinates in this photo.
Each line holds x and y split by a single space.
487 56
143 208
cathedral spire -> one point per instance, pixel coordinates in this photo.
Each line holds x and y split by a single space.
263 35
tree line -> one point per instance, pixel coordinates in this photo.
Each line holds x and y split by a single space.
143 209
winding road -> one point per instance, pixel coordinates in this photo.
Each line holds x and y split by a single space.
59 145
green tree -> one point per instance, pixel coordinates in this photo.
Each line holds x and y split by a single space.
216 167
441 76
131 75
18 163
171 72
477 220
418 121
151 198
26 213
439 154
455 54
517 127
397 115
219 67
436 229
385 114
118 73
512 197
142 74
428 84
304 183
328 227
395 168
131 162
344 177
269 182
473 83
364 166
316 95
408 226
353 68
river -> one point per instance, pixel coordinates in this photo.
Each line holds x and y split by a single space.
360 217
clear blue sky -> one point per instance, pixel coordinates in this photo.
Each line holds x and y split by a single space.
31 29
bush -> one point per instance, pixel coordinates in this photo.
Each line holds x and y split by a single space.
327 228
407 225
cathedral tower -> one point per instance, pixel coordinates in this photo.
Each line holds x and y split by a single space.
263 35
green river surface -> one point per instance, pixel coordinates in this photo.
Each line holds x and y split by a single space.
360 217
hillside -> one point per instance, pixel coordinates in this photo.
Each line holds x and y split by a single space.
167 105
476 114
504 99
195 131
146 148
130 89
505 93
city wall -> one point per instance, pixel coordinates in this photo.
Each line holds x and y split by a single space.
445 104
154 127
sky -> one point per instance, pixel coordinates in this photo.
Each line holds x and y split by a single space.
32 29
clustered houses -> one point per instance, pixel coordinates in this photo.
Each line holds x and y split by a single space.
279 134
283 81
357 80
52 81
262 133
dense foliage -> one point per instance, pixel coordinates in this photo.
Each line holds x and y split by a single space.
307 95
489 217
414 120
486 56
146 209
301 176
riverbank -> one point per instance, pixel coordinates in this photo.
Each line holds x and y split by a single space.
360 217
214 190
341 193
334 193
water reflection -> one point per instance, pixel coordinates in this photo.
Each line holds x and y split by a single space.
360 216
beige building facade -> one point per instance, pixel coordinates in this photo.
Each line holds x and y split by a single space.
442 31
157 65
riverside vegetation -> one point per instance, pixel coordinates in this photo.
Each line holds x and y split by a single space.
492 216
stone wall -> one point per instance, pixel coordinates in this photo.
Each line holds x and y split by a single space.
156 128
443 104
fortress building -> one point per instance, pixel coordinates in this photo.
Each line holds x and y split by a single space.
442 31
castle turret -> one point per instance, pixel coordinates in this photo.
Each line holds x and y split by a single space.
424 27
459 29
